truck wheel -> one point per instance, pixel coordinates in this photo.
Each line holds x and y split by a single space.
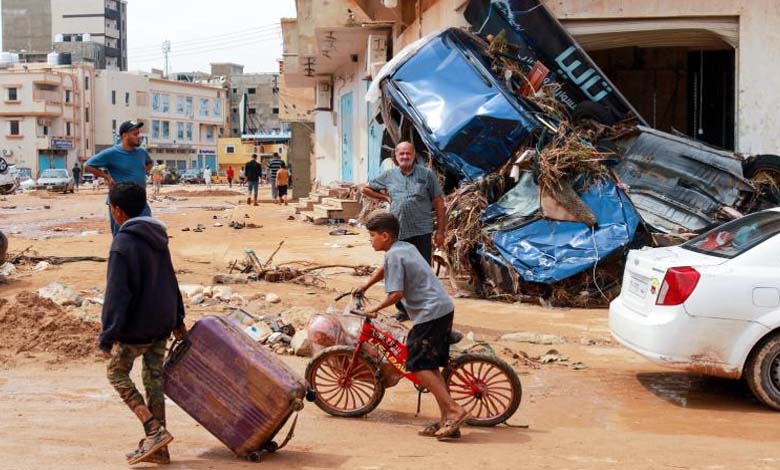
762 372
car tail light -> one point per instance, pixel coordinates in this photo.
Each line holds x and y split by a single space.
678 285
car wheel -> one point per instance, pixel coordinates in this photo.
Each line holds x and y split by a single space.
762 372
595 111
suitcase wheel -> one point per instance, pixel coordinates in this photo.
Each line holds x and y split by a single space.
270 447
254 456
297 404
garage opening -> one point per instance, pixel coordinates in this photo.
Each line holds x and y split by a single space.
678 73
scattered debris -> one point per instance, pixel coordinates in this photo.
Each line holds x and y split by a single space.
272 298
42 266
8 269
533 338
343 231
551 356
229 279
60 294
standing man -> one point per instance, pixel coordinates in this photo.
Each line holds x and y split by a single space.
273 168
207 177
229 173
76 171
414 193
124 162
253 171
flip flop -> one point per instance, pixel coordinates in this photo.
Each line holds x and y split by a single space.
431 429
451 428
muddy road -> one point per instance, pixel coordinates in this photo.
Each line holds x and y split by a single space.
614 410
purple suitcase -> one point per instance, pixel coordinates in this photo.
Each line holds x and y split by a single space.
238 390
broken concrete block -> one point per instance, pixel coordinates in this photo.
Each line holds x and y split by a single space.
222 293
300 344
208 291
190 290
229 279
197 299
60 294
533 338
42 266
272 298
7 269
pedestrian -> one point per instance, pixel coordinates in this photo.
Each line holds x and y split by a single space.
253 173
241 177
408 278
282 181
141 309
229 173
126 161
207 177
413 192
157 177
76 172
273 168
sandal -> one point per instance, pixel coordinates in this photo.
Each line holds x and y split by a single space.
451 428
431 430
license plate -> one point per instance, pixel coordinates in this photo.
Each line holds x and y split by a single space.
638 286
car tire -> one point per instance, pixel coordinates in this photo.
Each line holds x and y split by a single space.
594 111
762 371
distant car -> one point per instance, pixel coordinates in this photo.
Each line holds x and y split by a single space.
56 180
192 176
8 179
710 305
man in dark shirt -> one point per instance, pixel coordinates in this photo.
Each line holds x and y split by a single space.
253 171
273 168
76 171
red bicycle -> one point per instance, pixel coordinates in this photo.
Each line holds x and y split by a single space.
348 381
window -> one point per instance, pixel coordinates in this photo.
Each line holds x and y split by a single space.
166 103
113 96
155 129
275 110
67 96
68 128
166 129
87 141
179 105
204 107
180 130
209 133
217 108
235 131
45 130
250 91
230 149
738 236
113 125
252 111
86 83
155 101
235 90
235 110
86 114
188 109
127 98
14 127
13 94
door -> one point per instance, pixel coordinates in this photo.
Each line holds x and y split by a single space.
375 132
346 137
211 162
44 162
60 162
200 161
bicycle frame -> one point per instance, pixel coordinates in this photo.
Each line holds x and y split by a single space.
394 350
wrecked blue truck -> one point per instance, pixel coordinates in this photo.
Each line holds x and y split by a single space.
469 101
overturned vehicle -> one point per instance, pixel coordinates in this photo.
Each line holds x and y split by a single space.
551 174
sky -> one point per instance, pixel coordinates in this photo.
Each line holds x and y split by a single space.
245 32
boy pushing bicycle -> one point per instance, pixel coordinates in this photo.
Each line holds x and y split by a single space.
409 278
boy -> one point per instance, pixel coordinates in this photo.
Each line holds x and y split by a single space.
408 276
282 180
142 307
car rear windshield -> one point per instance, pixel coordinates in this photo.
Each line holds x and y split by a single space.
54 174
738 236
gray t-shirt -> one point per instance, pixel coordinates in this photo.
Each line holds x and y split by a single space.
407 271
411 198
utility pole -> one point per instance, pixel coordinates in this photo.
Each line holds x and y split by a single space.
166 48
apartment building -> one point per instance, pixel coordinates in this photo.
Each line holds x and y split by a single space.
253 99
47 115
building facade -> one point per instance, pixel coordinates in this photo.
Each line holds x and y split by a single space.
253 98
47 117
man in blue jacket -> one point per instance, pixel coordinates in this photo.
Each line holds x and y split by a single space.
142 307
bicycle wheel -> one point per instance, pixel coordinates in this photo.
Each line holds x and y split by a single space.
339 395
487 387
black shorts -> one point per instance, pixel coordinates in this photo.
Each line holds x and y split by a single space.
282 190
423 243
428 344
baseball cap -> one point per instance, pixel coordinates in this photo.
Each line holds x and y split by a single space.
128 126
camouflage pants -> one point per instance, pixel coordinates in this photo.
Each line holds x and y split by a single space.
121 364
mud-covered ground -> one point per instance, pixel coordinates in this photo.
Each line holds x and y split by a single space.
619 411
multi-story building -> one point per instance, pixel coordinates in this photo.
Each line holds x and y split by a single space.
253 98
47 117
92 31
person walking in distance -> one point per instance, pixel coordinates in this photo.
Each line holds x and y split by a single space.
414 193
241 177
273 169
229 173
282 182
157 177
253 172
76 173
124 162
207 177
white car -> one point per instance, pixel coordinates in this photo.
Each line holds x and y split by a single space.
711 305
56 180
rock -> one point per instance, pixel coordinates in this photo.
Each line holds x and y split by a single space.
189 290
533 338
222 293
272 298
7 269
60 294
217 224
197 299
238 298
208 291
228 279
552 356
42 266
300 344
578 366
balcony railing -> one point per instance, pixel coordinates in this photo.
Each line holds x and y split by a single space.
47 95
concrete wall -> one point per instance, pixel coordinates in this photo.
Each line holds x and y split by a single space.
26 25
300 157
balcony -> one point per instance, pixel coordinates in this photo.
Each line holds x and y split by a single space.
49 96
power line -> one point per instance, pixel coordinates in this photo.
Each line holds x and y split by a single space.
269 34
217 36
160 57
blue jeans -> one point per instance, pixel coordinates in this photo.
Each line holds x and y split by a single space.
115 227
251 188
274 191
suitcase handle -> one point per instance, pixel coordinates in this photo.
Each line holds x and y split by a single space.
177 351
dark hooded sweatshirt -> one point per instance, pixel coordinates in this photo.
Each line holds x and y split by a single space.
142 302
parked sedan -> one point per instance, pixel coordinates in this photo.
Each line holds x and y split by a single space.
711 305
193 176
56 180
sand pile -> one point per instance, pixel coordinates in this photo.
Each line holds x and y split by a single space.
31 323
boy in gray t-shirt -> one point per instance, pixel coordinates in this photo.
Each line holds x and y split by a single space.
409 278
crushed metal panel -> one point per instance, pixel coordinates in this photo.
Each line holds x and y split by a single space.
677 184
471 124
548 251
